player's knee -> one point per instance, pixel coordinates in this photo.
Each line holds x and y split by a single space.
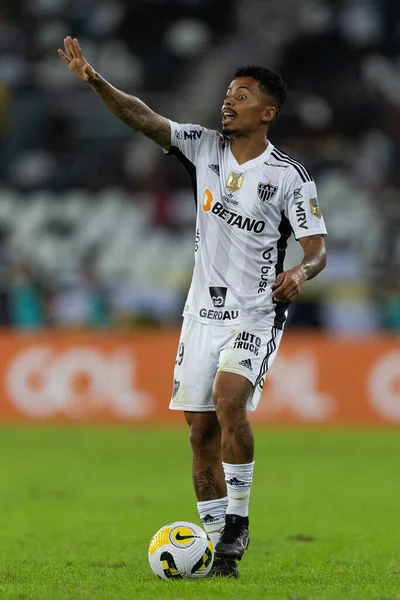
230 394
204 434
229 407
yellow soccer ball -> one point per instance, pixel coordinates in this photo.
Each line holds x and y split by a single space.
181 550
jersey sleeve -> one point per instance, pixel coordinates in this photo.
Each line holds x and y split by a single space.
186 139
302 209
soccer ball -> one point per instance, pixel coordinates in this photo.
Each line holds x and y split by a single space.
181 550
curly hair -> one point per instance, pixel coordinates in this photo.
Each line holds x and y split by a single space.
269 81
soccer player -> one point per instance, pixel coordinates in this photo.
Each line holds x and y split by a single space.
250 198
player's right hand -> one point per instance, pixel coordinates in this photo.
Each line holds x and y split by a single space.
75 60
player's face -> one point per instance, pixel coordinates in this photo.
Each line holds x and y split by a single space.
245 108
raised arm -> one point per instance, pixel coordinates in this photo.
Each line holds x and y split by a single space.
288 284
129 109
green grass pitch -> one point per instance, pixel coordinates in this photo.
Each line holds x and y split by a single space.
79 506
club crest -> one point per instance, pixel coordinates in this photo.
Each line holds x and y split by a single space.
266 191
234 182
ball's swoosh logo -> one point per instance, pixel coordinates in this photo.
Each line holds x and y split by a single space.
180 537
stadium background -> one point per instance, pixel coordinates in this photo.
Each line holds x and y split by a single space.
97 226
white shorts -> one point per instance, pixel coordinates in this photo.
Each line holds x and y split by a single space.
206 349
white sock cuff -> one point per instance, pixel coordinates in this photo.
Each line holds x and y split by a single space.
246 468
208 505
212 511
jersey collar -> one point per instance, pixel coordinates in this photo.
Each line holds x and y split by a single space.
254 161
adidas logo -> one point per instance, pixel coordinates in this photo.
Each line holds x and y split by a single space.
236 481
214 168
208 519
246 363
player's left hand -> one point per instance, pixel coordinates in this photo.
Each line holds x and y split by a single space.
288 284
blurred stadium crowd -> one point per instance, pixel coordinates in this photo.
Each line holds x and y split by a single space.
97 226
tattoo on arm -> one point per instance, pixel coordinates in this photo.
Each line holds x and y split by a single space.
133 112
314 260
206 486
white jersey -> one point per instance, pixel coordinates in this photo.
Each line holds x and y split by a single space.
245 215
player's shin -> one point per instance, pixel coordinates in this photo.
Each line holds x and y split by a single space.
210 488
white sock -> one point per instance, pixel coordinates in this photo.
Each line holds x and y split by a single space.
212 516
238 481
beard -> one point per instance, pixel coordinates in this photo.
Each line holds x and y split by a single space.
228 131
